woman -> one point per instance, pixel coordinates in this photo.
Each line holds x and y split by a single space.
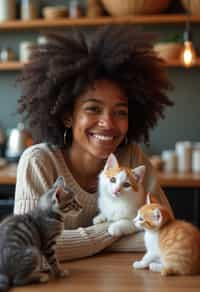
82 103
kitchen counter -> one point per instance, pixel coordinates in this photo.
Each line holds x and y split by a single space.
113 272
8 176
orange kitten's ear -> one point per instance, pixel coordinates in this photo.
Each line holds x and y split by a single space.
157 216
139 172
111 162
150 199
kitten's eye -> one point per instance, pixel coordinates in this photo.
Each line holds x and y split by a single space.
126 184
113 179
140 219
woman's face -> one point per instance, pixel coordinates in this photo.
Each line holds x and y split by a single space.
100 120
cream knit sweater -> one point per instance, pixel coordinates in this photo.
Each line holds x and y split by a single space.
38 168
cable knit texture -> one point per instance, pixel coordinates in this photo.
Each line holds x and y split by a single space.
38 168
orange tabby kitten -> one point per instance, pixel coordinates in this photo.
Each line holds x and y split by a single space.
173 246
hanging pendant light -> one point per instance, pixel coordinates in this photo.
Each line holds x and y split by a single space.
188 56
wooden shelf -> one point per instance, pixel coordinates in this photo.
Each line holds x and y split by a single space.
185 180
11 66
84 21
8 176
17 66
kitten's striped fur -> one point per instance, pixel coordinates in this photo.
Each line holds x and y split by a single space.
24 238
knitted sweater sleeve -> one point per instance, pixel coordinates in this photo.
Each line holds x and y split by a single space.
34 176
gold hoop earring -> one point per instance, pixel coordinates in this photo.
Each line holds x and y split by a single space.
126 140
66 136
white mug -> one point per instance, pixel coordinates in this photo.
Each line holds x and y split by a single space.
184 156
170 160
196 158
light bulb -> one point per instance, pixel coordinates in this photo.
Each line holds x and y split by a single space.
188 55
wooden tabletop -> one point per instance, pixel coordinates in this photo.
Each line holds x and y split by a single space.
8 176
113 272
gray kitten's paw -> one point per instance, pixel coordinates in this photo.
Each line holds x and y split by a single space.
44 278
62 274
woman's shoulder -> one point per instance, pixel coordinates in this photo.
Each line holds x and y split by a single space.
39 152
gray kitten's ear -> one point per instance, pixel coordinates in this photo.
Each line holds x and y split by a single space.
111 162
59 182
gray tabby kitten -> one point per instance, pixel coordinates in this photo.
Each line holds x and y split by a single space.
24 238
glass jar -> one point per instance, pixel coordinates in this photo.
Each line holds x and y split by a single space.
7 54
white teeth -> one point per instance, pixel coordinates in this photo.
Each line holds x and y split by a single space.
103 138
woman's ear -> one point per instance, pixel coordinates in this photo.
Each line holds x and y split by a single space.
67 120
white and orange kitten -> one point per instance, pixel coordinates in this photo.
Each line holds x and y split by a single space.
120 195
173 246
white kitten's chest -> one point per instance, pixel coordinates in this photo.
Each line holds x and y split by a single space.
152 243
117 208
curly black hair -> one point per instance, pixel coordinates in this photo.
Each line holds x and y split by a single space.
64 67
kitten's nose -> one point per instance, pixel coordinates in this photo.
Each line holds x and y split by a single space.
117 191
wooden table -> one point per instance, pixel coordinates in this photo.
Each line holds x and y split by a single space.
113 272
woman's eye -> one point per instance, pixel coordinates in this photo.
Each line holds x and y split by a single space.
93 109
113 180
122 113
126 185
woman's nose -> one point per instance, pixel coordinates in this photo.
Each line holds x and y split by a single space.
106 122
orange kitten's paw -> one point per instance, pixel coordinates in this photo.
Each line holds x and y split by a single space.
139 265
155 267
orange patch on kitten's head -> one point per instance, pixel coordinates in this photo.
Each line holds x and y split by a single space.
152 215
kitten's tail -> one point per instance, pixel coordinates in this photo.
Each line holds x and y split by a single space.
4 283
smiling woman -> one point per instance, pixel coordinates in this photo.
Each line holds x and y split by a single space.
82 102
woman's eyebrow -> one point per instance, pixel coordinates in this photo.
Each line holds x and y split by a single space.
124 103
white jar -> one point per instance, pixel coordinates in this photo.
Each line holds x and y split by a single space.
29 9
25 50
184 156
7 10
170 160
196 158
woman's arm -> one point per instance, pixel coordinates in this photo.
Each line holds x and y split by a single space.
34 176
